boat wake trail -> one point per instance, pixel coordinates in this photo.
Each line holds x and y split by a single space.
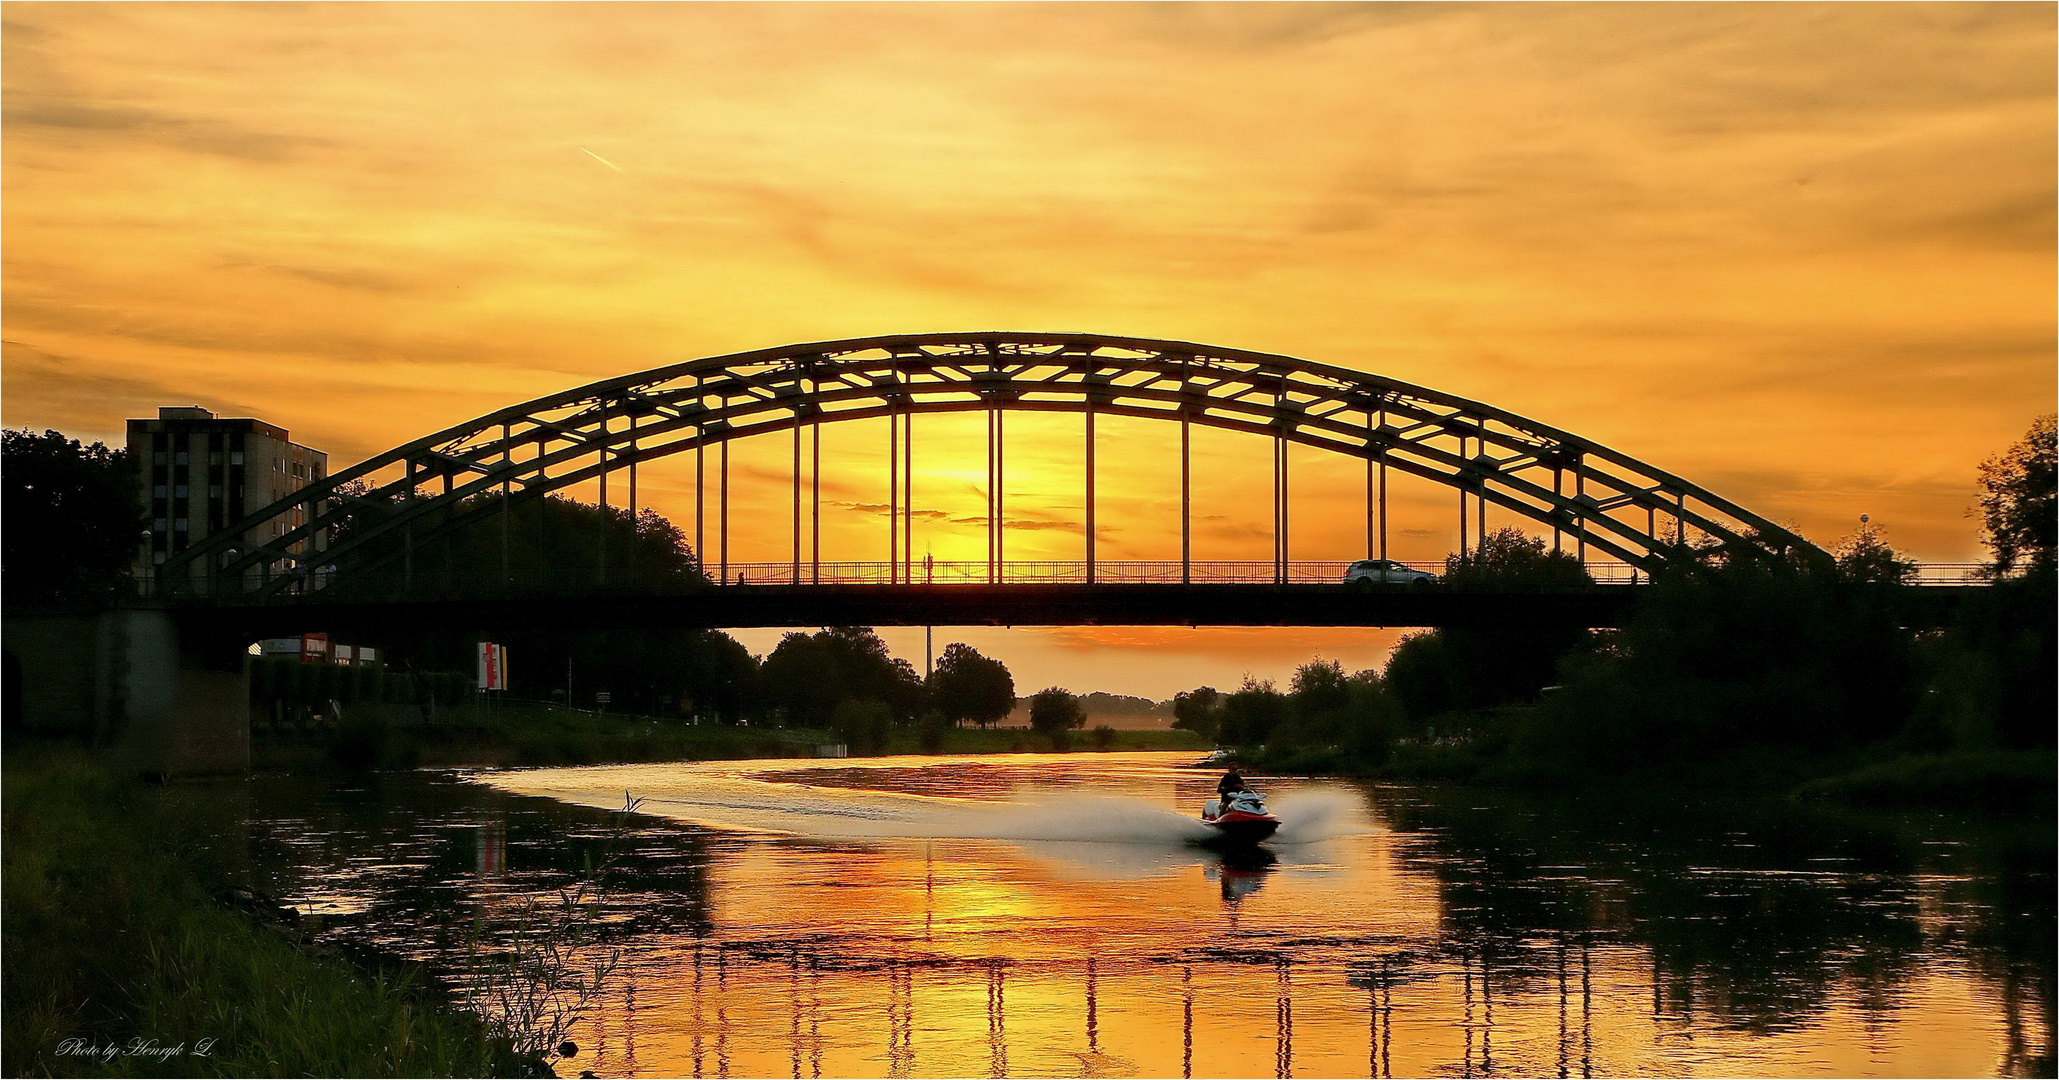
742 802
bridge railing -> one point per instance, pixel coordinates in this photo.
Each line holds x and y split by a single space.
486 580
1074 572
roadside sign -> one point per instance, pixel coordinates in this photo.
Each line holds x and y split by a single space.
493 666
604 697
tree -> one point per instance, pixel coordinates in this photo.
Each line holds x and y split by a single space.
74 517
1250 715
808 675
862 725
1198 710
1866 558
968 686
1477 667
2019 512
1054 712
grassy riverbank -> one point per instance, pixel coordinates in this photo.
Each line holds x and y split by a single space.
2013 782
115 940
527 734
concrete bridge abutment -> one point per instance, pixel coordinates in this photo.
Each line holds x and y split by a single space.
156 697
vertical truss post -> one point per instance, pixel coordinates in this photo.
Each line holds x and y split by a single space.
1481 524
1383 483
632 497
1462 496
407 571
908 492
1276 506
1186 501
1001 494
1680 517
601 573
989 494
1090 476
795 579
700 484
1580 519
815 504
722 521
1558 535
507 463
893 496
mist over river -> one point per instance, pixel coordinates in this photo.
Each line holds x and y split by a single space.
1050 915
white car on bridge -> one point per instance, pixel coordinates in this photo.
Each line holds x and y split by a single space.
1369 572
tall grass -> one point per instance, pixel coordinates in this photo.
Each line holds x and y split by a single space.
113 942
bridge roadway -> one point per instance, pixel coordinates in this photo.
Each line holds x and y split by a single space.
966 605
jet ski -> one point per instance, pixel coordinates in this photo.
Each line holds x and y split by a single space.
1239 818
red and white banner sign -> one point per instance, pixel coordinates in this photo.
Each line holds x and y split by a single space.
493 666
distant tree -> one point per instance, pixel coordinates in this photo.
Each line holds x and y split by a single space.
551 546
1056 712
1509 559
862 725
74 518
1200 711
803 680
808 675
969 686
1252 714
1866 558
2018 509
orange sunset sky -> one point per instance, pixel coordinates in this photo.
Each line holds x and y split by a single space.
1800 254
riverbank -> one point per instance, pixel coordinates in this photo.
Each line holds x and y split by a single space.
532 734
128 953
1989 781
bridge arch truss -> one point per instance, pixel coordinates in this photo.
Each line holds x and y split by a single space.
1589 496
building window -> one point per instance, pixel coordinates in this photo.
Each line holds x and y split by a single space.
181 459
157 559
159 492
235 457
214 491
158 525
180 492
179 525
214 458
158 458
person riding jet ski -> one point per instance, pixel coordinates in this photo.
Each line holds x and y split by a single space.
1239 816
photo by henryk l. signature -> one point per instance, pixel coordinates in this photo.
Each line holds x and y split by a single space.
135 1048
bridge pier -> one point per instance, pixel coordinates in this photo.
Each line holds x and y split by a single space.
161 699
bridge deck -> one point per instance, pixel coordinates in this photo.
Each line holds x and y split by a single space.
974 605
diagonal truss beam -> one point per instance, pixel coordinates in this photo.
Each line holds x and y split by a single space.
1608 500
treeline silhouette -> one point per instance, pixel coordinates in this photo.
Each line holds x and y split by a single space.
1770 664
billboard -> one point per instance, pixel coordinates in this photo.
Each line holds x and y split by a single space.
493 666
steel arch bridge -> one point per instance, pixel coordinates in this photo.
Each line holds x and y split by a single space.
1600 499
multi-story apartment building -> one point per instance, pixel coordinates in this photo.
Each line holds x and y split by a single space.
201 473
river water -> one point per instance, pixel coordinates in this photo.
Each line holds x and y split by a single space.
1047 915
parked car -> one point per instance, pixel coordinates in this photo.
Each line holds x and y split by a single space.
1369 572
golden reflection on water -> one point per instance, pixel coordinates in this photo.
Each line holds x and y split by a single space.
849 950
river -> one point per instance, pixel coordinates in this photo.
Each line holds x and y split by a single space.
1047 915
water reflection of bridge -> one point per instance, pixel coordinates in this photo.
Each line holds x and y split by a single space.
1466 971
